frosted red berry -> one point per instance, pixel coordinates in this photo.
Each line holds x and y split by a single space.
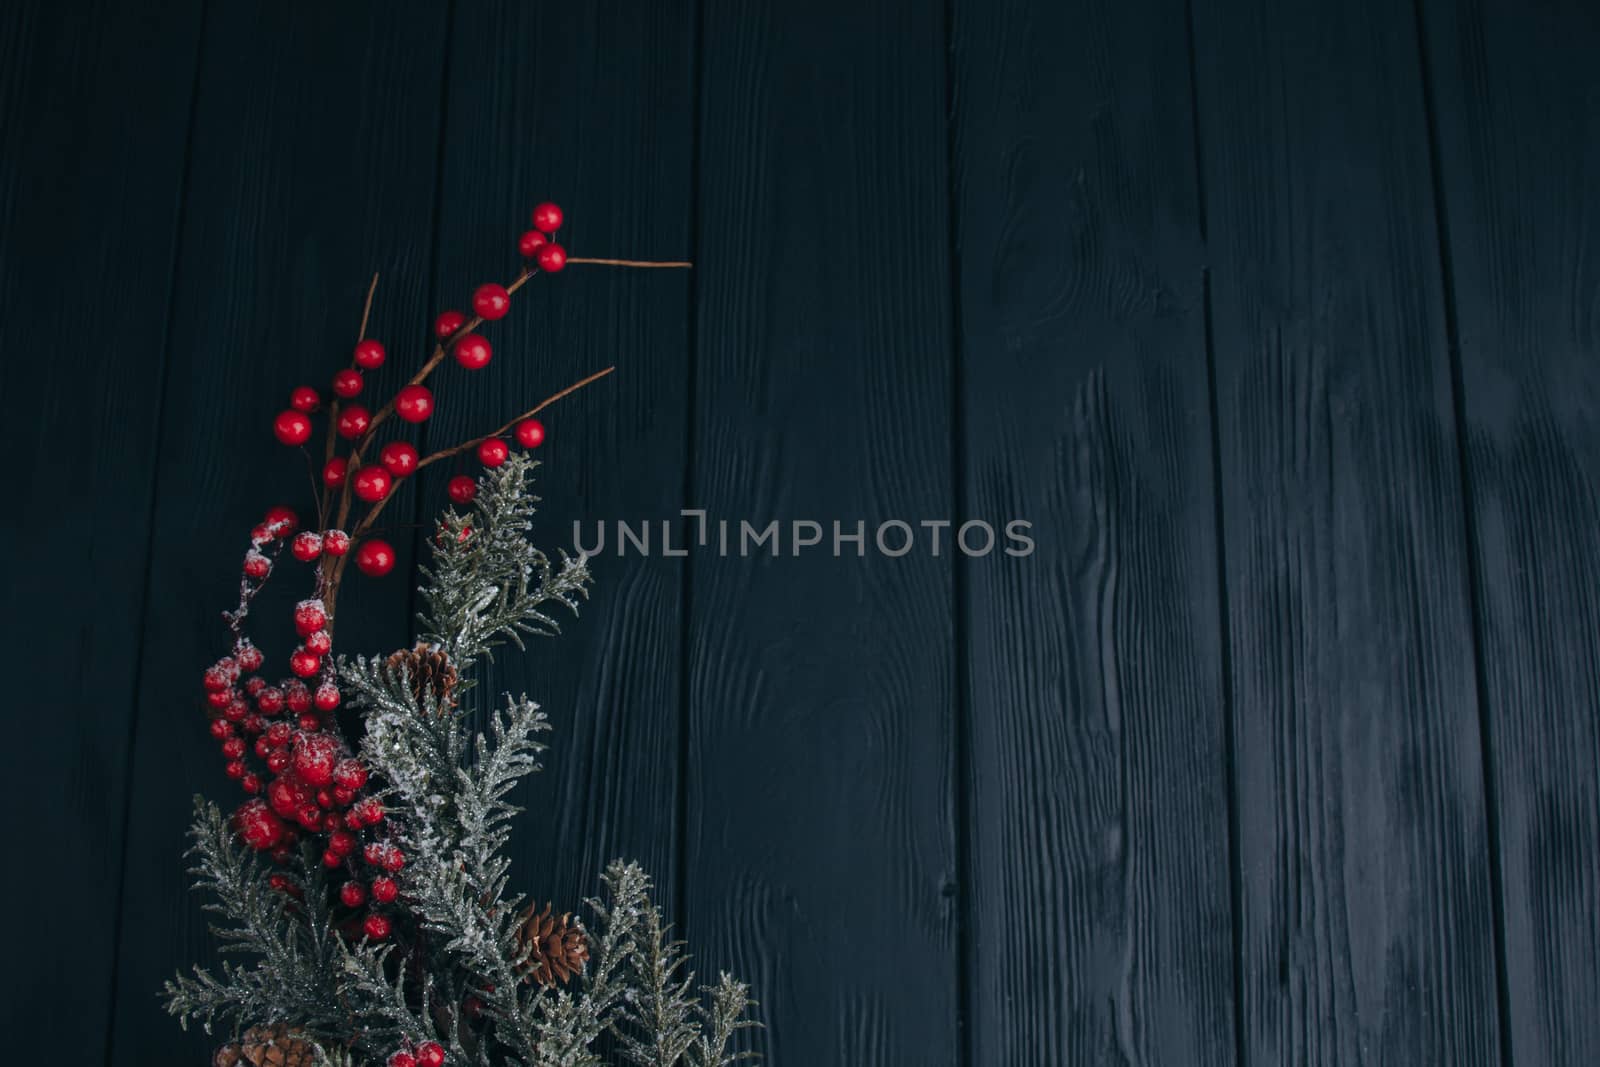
347 383
447 323
375 558
399 458
402 1058
462 489
373 853
370 355
281 521
473 352
342 841
221 729
352 894
305 663
292 427
320 642
258 826
343 797
249 658
331 859
279 733
327 697
217 678
493 452
491 301
552 257
373 484
414 403
334 472
547 217
219 698
354 420
368 812
234 768
304 398
530 433
528 244
384 890
309 617
233 748
335 542
430 1054
297 696
394 860
251 783
278 761
306 546
309 721
350 774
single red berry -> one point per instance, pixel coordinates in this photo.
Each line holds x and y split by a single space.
462 489
320 642
552 257
314 758
493 452
263 747
249 658
331 859
530 433
234 768
375 558
528 244
281 521
251 783
278 761
350 774
327 697
220 698
393 860
399 458
354 420
335 542
282 854
233 748
491 301
236 711
332 820
373 484
370 354
347 383
256 565
368 812
473 352
414 403
447 323
399 1059
306 546
292 427
343 797
217 678
304 398
297 696
257 825
309 721
221 729
334 471
342 841
352 894
373 853
280 733
384 889
309 617
281 797
259 534
430 1054
309 817
254 724
254 685
547 217
305 663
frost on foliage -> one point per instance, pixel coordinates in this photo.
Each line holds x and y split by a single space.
445 788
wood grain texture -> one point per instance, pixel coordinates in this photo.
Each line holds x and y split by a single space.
1367 924
92 139
614 151
1098 832
820 838
315 144
1517 99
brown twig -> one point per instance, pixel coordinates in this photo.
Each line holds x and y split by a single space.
678 264
456 450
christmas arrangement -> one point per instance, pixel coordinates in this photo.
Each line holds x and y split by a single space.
364 875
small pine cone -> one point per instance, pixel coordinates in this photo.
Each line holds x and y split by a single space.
429 671
268 1046
553 949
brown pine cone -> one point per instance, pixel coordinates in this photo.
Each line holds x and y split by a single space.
553 949
429 671
278 1045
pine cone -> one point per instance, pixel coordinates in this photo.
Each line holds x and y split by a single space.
268 1046
429 670
553 949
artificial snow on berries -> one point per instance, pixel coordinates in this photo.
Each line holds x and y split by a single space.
414 403
248 657
401 1058
430 1054
305 663
281 521
473 352
353 421
320 642
327 697
270 700
305 547
256 565
257 825
297 696
335 542
352 894
314 758
377 927
309 616
368 812
384 889
350 774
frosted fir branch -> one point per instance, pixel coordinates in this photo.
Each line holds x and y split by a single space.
723 1013
488 584
656 1024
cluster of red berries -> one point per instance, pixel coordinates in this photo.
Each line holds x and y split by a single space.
414 402
308 782
427 1054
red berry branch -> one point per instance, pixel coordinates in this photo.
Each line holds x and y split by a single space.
280 739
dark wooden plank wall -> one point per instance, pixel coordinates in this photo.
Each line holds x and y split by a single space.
1275 319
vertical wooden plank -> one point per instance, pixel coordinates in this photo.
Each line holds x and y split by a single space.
820 843
315 144
589 106
1515 88
95 110
1099 862
1366 914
